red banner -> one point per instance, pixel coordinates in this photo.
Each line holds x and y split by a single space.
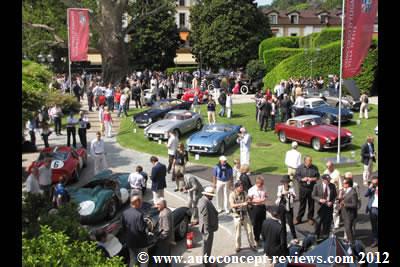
358 28
78 23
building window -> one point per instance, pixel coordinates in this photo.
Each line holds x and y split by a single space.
293 34
182 19
182 2
324 19
294 19
273 19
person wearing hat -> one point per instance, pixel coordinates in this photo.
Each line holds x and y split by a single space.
293 160
208 220
272 235
285 201
324 193
239 202
222 181
244 139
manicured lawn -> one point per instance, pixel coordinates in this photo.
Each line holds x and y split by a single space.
267 153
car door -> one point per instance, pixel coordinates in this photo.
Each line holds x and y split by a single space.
308 108
186 123
289 129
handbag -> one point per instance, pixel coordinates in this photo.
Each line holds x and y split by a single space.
88 125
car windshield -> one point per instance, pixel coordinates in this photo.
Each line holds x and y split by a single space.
214 128
312 122
161 105
174 117
319 103
54 155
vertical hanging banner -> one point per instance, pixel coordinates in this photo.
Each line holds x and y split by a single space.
358 28
78 24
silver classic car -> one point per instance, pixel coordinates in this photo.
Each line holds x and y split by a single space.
178 121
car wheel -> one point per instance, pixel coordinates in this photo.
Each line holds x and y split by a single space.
222 149
177 134
282 137
316 144
244 90
111 208
198 125
182 229
326 119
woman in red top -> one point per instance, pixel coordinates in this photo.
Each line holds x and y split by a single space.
107 121
102 100
117 98
268 94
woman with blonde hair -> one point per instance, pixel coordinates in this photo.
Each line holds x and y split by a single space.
179 163
107 119
244 177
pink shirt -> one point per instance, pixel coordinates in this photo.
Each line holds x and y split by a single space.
107 116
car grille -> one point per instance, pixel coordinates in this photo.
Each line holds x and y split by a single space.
199 148
347 117
343 140
160 136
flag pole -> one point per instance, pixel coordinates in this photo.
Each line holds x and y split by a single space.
69 56
340 84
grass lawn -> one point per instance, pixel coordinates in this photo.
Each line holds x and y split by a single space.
267 152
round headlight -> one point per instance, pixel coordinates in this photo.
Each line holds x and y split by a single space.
86 207
150 120
328 140
215 142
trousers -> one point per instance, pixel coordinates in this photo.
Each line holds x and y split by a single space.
133 254
222 195
108 128
193 201
367 171
323 220
71 131
364 110
248 227
157 195
258 215
57 125
208 239
373 216
82 137
100 163
305 198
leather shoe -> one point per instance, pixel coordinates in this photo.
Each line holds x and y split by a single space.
311 222
237 250
296 222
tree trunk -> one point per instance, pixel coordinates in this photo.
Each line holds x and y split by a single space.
111 41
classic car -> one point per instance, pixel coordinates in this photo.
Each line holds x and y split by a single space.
329 114
179 121
311 130
213 138
106 193
332 98
158 111
189 95
66 161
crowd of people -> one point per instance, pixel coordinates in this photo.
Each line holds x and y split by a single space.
337 198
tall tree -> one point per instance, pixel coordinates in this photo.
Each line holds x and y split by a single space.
155 39
227 32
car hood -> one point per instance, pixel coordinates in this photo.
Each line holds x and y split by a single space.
332 110
96 197
205 138
326 130
151 113
164 125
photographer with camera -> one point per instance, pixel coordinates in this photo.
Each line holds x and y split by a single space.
239 202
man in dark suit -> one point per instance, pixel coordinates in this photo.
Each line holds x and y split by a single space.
208 220
348 205
134 226
158 182
272 235
372 208
324 194
368 157
265 108
286 105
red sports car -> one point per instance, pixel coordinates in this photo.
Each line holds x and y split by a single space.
310 130
65 161
189 95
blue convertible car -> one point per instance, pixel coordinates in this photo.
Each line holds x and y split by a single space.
213 138
329 114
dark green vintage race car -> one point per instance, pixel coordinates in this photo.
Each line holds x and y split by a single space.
106 193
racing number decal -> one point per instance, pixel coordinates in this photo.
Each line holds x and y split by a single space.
57 164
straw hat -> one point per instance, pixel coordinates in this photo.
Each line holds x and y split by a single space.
209 191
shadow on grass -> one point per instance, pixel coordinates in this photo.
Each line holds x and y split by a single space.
237 115
265 170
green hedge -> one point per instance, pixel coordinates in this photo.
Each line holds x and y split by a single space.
307 41
180 69
326 62
274 56
255 69
327 36
276 42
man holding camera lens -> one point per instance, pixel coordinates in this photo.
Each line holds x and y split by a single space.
239 202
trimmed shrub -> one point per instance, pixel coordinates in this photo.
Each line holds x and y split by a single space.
255 69
275 42
307 41
327 36
326 62
180 69
66 102
274 56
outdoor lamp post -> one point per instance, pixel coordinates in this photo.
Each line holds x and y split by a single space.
41 58
200 64
162 58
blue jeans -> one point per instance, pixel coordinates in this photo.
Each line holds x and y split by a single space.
222 112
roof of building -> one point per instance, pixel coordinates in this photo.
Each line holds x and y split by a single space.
306 17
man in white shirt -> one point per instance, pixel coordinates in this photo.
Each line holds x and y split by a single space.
98 153
45 177
55 114
172 145
299 104
32 182
122 105
109 94
244 140
136 181
97 92
258 211
337 181
293 160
